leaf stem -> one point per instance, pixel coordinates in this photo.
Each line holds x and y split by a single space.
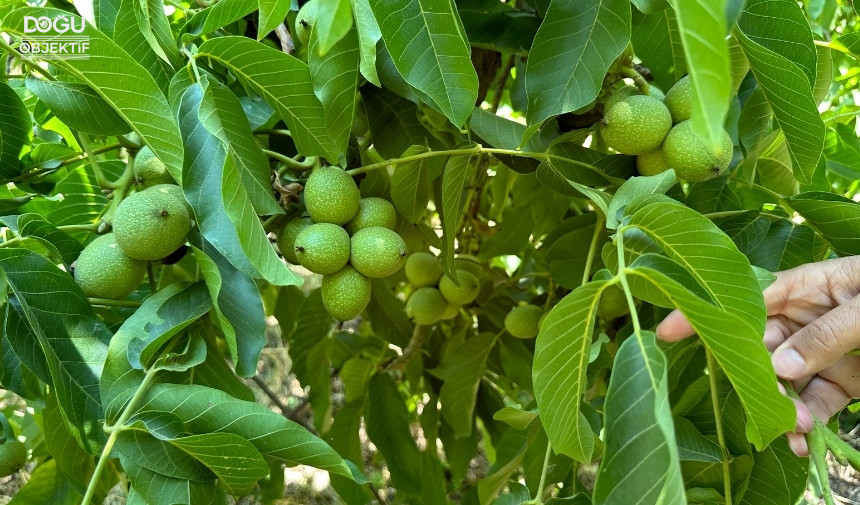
718 420
638 80
409 352
108 302
447 152
538 500
592 249
30 64
622 276
114 431
298 166
97 169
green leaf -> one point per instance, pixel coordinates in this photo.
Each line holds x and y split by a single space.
729 281
462 366
410 185
497 26
780 26
394 125
561 360
657 41
785 245
122 83
284 82
206 410
221 113
430 50
832 217
160 317
237 305
227 221
233 460
778 476
167 312
569 169
72 339
516 418
73 462
640 465
453 181
334 20
60 243
217 16
387 314
129 36
789 94
368 35
15 128
79 106
335 79
387 423
157 488
634 187
272 14
571 53
309 344
702 25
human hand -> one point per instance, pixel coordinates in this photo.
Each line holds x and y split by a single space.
813 321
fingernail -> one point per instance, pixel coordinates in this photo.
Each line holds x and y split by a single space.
788 363
797 444
781 388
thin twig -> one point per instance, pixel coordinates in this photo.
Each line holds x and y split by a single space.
291 414
414 346
283 35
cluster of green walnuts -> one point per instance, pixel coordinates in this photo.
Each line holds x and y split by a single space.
657 129
436 296
346 238
150 224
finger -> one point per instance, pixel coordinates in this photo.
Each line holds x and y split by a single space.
797 444
846 374
820 343
674 327
824 398
776 331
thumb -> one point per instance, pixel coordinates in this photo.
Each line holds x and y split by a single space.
820 343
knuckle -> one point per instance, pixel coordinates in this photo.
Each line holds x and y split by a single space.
825 335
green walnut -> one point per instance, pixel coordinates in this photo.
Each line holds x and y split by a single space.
305 19
656 92
470 264
345 293
377 252
465 293
322 248
451 311
286 238
150 225
620 94
176 192
613 303
104 271
636 124
679 100
331 196
423 269
426 306
151 171
524 321
690 155
652 162
13 455
372 211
